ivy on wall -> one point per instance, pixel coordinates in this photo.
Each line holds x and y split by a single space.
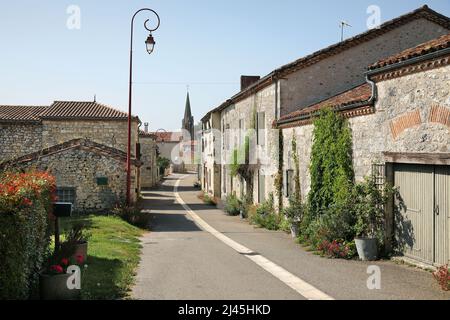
241 165
297 187
331 166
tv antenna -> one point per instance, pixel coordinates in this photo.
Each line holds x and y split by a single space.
342 25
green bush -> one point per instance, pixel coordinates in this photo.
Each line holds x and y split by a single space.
232 205
331 167
132 215
25 201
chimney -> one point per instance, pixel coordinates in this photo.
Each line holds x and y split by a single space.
146 127
247 81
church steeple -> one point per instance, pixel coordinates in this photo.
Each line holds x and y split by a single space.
188 120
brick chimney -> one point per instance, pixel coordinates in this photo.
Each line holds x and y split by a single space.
146 127
247 81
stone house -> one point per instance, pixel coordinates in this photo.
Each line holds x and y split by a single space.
26 131
210 149
400 122
169 146
316 77
89 175
149 173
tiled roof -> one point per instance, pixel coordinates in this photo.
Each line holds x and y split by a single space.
82 110
423 12
422 49
83 144
168 136
62 110
147 134
356 95
21 113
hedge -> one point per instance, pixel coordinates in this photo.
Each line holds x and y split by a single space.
25 202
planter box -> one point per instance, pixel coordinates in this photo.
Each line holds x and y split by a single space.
54 287
367 248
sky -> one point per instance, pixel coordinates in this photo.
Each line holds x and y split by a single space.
203 45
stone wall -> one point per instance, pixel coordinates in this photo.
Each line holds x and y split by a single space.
110 133
79 169
149 170
263 101
346 69
18 139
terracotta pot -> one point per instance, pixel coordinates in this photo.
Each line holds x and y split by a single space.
54 287
81 249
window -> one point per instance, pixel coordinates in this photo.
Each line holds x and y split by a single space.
261 187
261 128
241 132
289 188
66 195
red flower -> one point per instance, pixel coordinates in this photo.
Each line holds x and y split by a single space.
79 259
27 202
65 261
57 268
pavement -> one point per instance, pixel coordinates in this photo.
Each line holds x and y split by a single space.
197 252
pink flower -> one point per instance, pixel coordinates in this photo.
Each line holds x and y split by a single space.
57 268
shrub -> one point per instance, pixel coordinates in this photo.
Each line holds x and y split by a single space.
266 216
331 162
442 275
25 204
232 205
294 212
368 202
338 249
132 215
209 200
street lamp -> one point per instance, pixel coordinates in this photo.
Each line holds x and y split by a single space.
150 44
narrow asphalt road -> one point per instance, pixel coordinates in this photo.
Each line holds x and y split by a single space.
200 254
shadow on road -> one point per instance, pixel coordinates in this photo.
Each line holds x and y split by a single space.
163 222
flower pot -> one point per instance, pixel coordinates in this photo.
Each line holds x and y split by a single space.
367 248
81 249
294 230
54 287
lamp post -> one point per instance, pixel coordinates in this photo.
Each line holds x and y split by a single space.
150 46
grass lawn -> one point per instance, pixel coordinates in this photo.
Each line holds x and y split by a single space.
113 256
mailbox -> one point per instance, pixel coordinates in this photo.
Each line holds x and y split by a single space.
62 209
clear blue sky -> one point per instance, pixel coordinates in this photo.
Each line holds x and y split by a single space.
206 44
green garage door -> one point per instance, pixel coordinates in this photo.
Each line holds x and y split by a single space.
423 222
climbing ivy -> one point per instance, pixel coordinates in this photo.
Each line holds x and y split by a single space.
297 187
331 167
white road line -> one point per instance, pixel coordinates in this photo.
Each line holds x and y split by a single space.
299 285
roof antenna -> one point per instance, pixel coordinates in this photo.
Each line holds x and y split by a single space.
95 98
342 25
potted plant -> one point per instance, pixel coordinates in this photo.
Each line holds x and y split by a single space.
294 214
78 237
55 280
369 203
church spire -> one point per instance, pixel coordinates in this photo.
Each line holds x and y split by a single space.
188 120
187 110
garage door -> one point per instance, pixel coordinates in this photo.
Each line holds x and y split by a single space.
423 221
